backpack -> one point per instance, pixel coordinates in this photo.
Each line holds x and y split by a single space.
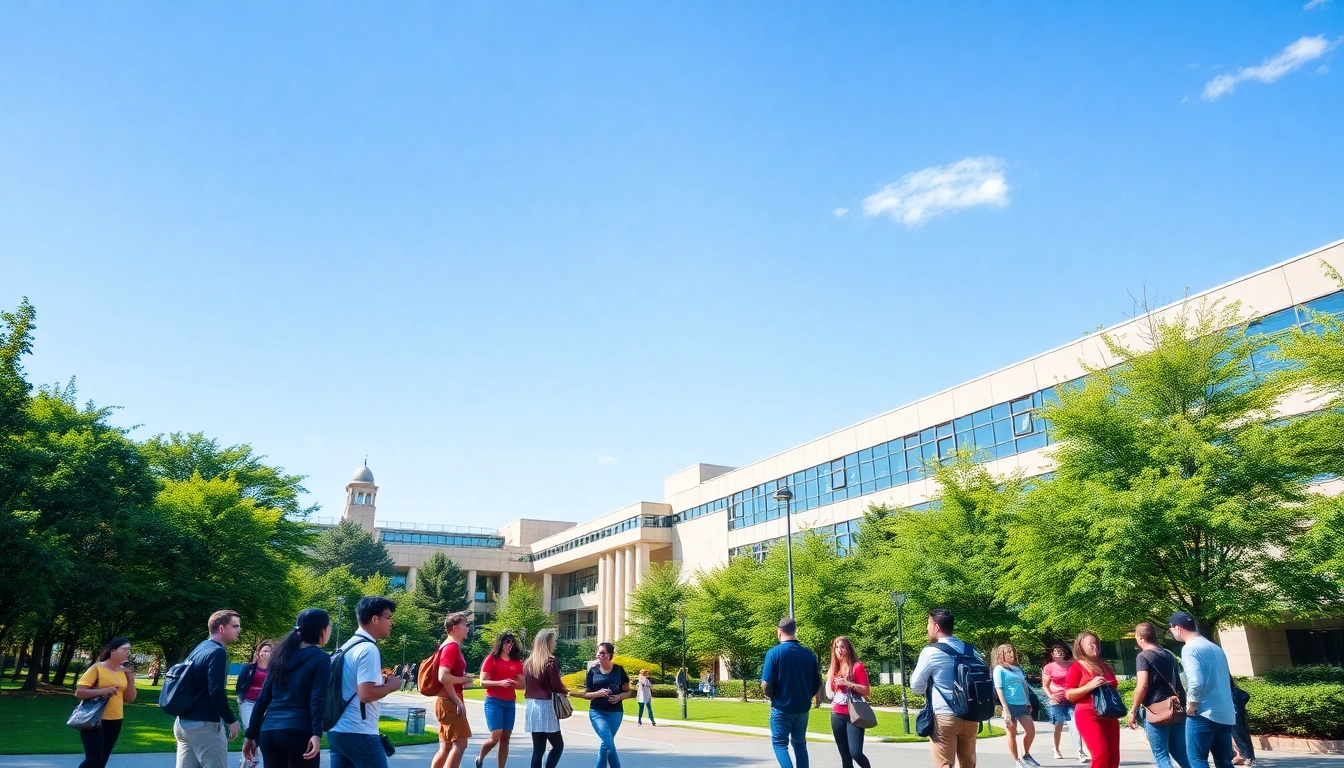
972 694
335 703
179 690
427 678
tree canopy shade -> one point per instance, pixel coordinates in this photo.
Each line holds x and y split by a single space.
654 616
440 589
350 545
1177 487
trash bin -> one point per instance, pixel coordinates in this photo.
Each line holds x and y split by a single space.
415 722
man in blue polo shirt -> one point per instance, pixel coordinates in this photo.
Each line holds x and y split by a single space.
790 677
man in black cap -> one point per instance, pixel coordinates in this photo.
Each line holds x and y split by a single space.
1209 709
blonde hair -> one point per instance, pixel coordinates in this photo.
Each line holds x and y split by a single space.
542 646
1093 664
1001 654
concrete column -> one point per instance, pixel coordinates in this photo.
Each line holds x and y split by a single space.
546 592
410 578
504 586
629 580
608 598
618 594
641 562
471 588
602 613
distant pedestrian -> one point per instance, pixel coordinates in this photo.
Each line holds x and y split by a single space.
1061 709
790 677
412 680
1088 673
953 739
1241 733
846 677
1010 683
605 687
502 678
202 738
287 721
251 678
1157 683
114 677
644 696
541 682
1210 712
683 683
355 739
449 708
707 686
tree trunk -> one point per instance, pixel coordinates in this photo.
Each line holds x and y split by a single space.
20 660
67 654
35 663
47 648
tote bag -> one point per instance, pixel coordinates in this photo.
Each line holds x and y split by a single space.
860 713
89 714
563 708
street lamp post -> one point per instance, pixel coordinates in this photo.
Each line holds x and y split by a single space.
340 609
685 694
899 599
785 495
403 649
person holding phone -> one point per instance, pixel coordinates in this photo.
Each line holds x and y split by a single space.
287 721
605 687
846 677
114 677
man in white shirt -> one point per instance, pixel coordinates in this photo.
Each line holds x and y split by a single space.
354 739
953 739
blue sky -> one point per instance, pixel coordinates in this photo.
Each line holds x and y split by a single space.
533 257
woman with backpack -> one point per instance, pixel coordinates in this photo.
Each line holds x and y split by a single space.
113 677
541 683
1010 684
846 677
287 719
1088 673
251 679
501 677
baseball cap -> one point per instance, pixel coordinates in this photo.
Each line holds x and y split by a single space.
1184 621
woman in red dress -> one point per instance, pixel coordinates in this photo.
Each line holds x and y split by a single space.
1088 673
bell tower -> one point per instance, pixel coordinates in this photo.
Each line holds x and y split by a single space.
360 495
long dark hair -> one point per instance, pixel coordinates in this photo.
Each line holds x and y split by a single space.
307 629
112 645
497 652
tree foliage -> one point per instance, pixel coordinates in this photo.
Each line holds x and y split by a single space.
721 622
350 545
440 589
654 616
520 612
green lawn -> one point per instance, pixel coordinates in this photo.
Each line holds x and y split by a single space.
757 713
35 724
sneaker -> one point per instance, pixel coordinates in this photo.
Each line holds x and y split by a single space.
1058 756
1020 764
1031 761
1084 759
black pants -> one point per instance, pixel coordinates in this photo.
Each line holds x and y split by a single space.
284 748
98 743
849 739
539 746
1241 736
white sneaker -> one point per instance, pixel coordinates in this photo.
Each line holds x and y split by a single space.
1084 759
1058 756
1031 761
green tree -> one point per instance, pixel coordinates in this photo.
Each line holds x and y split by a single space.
178 456
1177 487
321 590
824 583
350 545
520 612
721 622
440 589
654 616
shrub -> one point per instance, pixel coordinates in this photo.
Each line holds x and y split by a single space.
732 689
1313 711
661 691
1307 675
575 680
890 696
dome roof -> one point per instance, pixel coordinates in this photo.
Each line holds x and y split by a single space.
362 475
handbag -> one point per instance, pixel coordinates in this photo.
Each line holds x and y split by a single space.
563 708
924 722
1038 713
1106 701
89 714
860 714
1166 712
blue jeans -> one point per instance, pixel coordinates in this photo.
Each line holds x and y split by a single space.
356 750
785 727
642 706
1202 737
605 725
1168 743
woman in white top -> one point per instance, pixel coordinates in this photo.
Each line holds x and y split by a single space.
644 695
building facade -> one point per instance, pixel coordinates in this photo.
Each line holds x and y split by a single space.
711 512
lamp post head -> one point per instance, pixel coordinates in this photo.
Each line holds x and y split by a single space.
899 598
783 494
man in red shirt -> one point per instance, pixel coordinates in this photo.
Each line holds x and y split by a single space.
449 710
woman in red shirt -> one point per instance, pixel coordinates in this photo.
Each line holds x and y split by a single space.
1088 673
501 677
846 678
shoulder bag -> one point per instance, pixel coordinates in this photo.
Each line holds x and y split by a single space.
561 703
860 714
1106 701
1168 711
89 714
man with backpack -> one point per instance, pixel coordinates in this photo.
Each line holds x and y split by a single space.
357 679
959 689
201 698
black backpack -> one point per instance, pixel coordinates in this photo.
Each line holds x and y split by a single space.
335 704
179 690
972 694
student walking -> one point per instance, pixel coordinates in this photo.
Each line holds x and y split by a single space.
644 696
953 739
354 739
412 680
605 687
1241 733
502 678
1061 709
1088 673
111 676
251 678
1210 712
449 708
1010 683
286 722
202 739
541 682
846 677
1158 683
790 677
683 683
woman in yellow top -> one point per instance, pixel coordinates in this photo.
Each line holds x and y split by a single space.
113 677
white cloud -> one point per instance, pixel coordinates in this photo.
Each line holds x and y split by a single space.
1289 59
1315 5
840 212
606 459
921 195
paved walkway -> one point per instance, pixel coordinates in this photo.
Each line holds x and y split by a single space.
691 747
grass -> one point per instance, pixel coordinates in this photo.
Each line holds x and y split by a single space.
754 713
35 724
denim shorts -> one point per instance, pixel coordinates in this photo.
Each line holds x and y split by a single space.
1060 713
499 714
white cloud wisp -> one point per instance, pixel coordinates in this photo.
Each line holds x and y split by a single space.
922 195
1295 55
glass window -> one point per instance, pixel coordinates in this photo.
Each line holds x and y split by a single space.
965 440
1050 397
1000 411
898 478
916 473
912 458
883 482
1034 441
852 460
1022 405
866 471
928 450
838 478
980 418
928 435
1003 432
896 446
947 448
962 424
897 462
825 483
810 488
865 455
1272 323
852 477
1022 424
985 435
944 430
868 486
879 450
881 467
1005 450
1334 303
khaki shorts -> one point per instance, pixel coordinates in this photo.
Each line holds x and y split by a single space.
452 726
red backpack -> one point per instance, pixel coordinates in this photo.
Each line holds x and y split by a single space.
428 676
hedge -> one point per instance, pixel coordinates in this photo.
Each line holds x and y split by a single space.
574 680
1312 711
732 689
1306 675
